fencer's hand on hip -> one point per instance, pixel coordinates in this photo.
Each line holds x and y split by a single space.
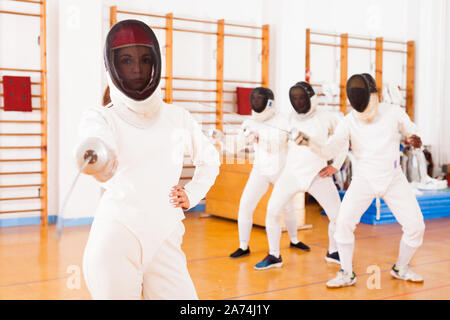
415 141
328 171
179 198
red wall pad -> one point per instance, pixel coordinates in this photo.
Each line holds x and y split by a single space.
243 100
17 93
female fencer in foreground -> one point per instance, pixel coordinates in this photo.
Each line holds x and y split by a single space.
134 246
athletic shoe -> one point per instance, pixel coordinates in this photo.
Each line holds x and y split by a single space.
405 273
300 245
240 253
343 279
333 257
269 262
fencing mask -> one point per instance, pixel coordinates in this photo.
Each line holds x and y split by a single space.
300 95
262 103
133 59
359 89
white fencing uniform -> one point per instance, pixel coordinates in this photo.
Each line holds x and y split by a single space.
134 247
300 174
376 173
269 160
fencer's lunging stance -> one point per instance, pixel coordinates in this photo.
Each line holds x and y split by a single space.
134 246
270 145
305 171
374 130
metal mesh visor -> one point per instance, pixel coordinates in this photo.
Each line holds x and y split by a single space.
133 59
259 98
300 99
358 92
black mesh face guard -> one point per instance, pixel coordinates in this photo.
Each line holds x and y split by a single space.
259 98
359 88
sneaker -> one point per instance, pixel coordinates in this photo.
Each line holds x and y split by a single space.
240 253
333 257
300 245
343 279
405 273
269 262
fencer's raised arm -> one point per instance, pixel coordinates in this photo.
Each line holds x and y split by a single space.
96 140
339 159
335 146
206 161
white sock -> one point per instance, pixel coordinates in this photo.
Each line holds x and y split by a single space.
274 235
346 256
332 245
291 226
245 228
405 254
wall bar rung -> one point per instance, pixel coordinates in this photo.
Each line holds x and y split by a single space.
21 160
21 186
20 70
20 198
21 147
21 13
21 121
21 134
20 173
19 211
32 83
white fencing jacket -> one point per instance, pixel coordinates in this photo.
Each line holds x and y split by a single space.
375 145
301 161
271 150
150 160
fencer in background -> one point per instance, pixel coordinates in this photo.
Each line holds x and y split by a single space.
374 130
305 171
270 145
134 246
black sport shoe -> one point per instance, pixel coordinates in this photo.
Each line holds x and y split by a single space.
240 253
300 245
269 262
333 257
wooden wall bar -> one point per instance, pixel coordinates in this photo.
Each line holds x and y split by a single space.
344 76
410 69
169 58
219 74
379 67
265 57
379 50
42 83
43 47
308 51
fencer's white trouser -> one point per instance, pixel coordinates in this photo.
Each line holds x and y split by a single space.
257 185
115 267
322 189
401 201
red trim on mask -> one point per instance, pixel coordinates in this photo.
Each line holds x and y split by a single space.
129 35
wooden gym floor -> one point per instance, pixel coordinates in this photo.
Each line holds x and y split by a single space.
34 265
